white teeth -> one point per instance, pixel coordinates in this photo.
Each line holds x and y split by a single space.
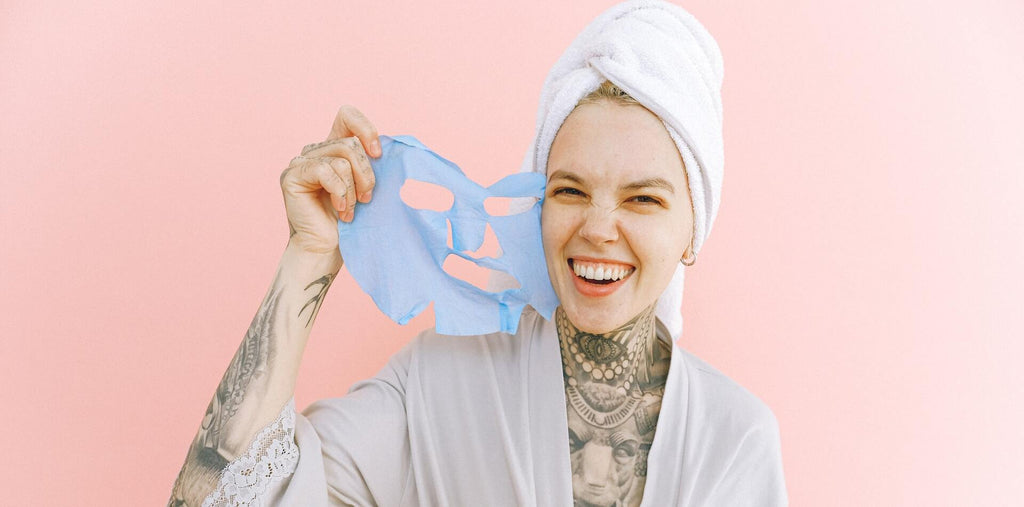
600 271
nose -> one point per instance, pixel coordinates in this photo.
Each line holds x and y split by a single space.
597 464
599 225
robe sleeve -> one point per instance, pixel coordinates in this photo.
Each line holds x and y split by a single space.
349 450
755 477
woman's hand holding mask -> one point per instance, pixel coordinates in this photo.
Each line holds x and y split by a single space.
323 184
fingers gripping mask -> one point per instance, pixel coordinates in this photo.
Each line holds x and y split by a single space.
396 252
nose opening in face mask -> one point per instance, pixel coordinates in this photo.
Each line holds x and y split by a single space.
472 273
488 248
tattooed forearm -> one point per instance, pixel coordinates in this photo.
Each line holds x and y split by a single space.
209 455
240 400
249 362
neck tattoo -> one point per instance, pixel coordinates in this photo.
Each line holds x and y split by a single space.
614 384
600 370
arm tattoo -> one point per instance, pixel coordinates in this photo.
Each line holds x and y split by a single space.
249 362
208 456
318 299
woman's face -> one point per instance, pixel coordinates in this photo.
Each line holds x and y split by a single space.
616 207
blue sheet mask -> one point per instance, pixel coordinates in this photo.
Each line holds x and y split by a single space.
396 253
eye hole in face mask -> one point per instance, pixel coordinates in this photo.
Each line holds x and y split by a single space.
426 196
470 272
503 206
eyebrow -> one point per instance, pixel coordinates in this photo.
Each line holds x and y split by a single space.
635 185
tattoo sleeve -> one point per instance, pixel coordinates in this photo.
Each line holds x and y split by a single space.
246 398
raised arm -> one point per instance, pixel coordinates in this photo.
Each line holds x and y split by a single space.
319 188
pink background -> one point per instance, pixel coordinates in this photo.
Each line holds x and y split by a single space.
864 276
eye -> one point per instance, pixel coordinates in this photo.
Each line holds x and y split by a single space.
567 191
645 199
599 348
625 451
575 443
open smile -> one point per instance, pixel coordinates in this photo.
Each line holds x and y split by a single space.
598 278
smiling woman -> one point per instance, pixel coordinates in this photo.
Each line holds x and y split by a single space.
597 406
612 204
614 228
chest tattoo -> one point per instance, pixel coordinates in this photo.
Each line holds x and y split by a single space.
614 384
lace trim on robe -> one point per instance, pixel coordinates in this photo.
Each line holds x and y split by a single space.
272 456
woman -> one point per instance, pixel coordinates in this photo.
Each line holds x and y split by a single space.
598 407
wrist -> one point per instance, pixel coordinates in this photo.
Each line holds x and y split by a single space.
299 258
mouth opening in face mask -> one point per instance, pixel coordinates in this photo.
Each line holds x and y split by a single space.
473 273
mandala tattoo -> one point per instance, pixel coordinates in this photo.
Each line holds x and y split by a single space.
611 358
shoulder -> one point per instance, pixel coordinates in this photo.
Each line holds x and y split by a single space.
717 399
722 398
736 436
733 426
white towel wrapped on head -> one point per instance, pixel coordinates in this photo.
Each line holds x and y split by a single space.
663 57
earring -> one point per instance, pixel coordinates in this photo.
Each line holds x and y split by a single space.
692 259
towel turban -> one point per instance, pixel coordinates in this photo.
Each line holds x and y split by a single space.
659 54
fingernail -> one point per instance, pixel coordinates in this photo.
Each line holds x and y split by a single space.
369 195
375 146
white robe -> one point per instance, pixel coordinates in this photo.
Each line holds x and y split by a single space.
474 421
